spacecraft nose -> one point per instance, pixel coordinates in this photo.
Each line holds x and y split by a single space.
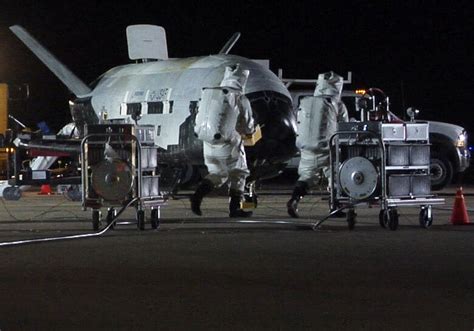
274 114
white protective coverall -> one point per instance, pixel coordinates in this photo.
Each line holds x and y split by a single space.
224 116
317 122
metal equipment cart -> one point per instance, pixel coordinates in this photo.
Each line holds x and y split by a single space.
385 164
119 168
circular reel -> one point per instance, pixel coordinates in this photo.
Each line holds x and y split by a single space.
358 178
112 179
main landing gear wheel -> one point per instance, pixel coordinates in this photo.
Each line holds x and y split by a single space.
141 219
351 219
111 213
155 220
426 217
250 196
252 201
96 219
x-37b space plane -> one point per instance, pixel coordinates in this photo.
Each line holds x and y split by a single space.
164 92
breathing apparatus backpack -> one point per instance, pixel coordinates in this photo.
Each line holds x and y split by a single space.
217 115
317 121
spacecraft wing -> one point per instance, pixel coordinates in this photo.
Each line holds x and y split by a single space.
66 76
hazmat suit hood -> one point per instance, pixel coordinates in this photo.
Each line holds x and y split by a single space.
329 84
235 78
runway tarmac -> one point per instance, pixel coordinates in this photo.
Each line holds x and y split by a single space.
213 273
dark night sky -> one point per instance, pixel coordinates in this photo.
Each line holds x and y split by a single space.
426 47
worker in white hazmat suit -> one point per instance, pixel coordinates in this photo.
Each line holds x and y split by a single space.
224 115
317 122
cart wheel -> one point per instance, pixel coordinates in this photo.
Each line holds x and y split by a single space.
155 220
392 219
351 219
383 218
111 213
96 219
141 219
426 217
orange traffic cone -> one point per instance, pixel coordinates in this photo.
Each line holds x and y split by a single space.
45 189
459 215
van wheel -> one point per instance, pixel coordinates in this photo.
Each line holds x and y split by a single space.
441 171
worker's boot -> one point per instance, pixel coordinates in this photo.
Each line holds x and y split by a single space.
234 205
203 188
298 193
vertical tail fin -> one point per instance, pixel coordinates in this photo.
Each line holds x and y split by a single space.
230 43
